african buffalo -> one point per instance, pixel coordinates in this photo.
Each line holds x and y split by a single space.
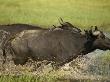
60 46
8 32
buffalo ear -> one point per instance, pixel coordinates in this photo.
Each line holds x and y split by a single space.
96 32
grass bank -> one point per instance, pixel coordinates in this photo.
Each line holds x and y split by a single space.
83 13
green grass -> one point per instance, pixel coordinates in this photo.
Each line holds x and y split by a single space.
30 78
26 78
83 13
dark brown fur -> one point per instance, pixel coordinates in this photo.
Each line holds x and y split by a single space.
60 46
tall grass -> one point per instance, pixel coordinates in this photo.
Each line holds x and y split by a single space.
83 13
26 78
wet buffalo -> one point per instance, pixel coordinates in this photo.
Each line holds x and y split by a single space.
8 32
60 46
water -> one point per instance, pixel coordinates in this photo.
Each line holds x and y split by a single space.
95 65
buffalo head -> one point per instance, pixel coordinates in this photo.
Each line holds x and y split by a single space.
96 40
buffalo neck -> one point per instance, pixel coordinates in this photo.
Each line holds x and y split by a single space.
88 46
